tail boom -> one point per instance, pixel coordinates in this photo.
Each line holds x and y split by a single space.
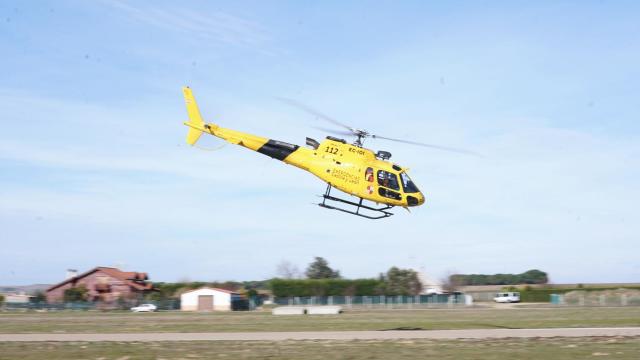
273 148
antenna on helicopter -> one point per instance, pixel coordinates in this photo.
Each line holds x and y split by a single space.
361 134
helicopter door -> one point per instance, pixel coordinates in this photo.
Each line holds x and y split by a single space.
368 174
388 183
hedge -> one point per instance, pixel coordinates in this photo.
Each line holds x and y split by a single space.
326 287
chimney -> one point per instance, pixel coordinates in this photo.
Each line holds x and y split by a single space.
71 273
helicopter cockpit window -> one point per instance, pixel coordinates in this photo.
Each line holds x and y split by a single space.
407 184
368 174
389 193
388 180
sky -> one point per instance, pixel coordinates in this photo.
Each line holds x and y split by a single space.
94 169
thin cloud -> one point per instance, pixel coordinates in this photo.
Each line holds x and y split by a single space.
212 26
183 164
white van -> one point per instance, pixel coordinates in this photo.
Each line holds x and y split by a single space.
507 297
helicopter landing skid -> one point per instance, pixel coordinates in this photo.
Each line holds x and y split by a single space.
381 212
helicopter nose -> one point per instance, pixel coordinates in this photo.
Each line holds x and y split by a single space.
416 199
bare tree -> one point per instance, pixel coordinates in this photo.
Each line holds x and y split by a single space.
450 283
288 270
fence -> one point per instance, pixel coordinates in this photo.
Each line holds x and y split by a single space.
121 305
597 299
380 302
538 295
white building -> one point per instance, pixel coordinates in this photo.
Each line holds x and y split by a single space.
17 298
208 299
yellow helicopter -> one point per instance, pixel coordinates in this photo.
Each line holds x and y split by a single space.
348 167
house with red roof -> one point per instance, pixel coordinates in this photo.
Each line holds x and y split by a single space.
103 283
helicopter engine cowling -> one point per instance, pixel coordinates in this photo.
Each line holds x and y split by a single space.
383 155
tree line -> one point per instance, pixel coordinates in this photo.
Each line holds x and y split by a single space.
322 280
319 279
528 277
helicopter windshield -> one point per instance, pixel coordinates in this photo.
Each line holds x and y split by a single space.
407 184
387 179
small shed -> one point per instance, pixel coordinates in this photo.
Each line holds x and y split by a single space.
208 299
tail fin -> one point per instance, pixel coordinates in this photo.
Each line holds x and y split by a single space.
195 123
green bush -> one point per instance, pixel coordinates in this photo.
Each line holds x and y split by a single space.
39 297
537 295
401 282
75 294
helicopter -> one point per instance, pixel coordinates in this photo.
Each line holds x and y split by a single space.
351 168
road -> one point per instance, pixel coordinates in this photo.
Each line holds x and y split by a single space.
331 335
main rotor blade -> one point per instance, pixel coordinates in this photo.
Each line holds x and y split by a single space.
335 132
315 113
443 148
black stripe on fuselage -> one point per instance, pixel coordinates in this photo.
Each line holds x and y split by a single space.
277 149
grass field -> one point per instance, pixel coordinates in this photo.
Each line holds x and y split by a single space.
549 348
473 318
